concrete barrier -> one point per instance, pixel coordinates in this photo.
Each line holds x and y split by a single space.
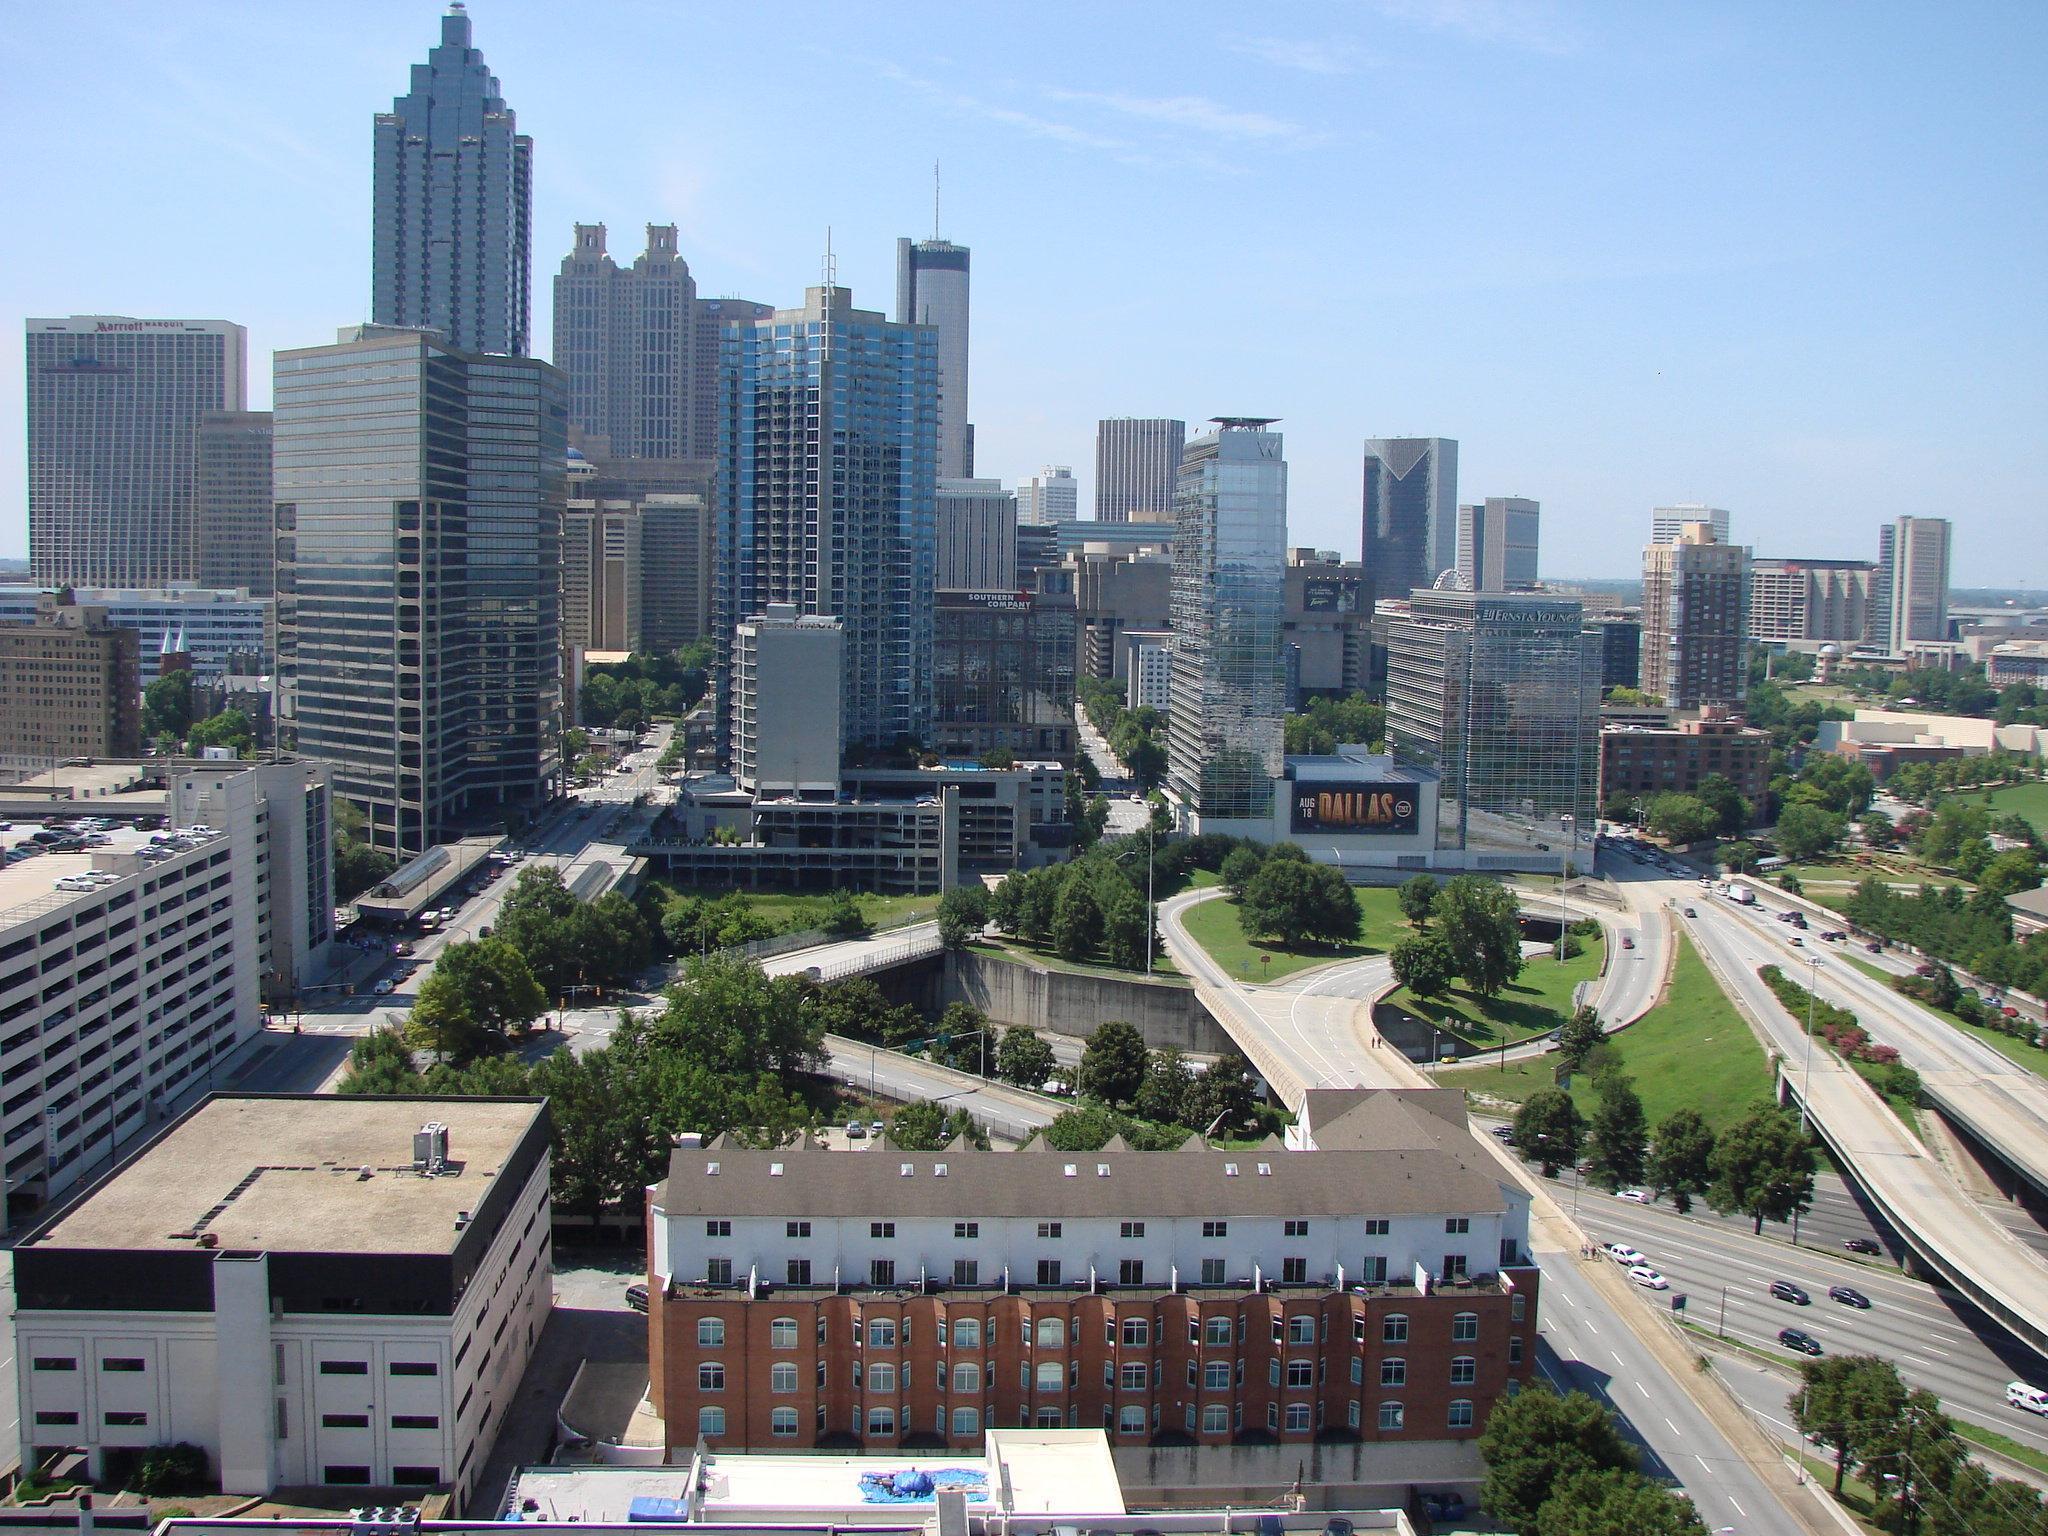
1013 991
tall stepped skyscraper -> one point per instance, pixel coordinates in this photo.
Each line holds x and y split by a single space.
627 339
115 411
827 495
454 201
1136 462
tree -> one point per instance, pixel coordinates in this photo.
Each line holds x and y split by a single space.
1226 1096
2009 873
1145 761
609 1140
1239 867
1762 1167
1424 964
843 917
918 1127
1548 1128
1024 1059
1168 1087
1842 1401
1418 899
478 992
167 706
231 728
1535 1440
1579 1036
1681 818
1681 1164
1805 831
1620 1134
1615 1502
1719 795
380 1063
1113 1064
963 912
1076 920
1476 917
998 757
1878 829
1738 856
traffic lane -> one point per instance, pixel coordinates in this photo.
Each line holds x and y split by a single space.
1938 1341
1581 1346
292 1063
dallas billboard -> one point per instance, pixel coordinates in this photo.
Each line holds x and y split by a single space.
1355 808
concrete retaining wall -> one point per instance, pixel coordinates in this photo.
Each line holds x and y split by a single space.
1073 1003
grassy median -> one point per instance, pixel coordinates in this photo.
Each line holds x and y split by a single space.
1214 925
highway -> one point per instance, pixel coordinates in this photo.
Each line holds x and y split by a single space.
1946 1346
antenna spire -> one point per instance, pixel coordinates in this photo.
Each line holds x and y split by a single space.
935 199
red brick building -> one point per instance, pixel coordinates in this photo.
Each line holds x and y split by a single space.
1646 762
1381 1290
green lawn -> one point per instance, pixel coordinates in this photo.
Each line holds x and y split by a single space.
1536 1002
2033 1059
1691 1051
794 911
1214 926
2028 800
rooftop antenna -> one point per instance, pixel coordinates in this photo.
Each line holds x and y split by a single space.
935 200
829 271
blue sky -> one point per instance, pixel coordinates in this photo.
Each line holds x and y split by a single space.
1787 259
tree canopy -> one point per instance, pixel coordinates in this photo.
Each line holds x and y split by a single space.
1762 1167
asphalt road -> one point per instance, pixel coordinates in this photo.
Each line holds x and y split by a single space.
1937 1340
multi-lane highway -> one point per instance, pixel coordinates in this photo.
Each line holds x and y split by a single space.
1724 1272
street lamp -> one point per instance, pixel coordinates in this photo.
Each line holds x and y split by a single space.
1806 1072
1571 859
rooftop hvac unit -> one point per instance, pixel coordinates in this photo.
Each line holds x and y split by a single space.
430 1147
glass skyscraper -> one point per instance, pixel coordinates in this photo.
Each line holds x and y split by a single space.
450 227
115 407
1224 739
931 289
1411 512
827 462
1137 465
1499 695
420 495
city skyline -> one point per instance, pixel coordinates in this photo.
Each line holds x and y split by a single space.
1757 321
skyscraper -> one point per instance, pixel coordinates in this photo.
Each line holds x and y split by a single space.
1224 739
931 289
114 412
1811 601
1136 462
233 522
1667 523
454 200
1411 512
1499 695
1909 600
976 537
627 337
1050 496
419 578
1695 598
1497 544
827 491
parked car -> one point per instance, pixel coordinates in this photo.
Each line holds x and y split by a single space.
1849 1296
1648 1278
1862 1245
1794 1338
855 1131
1785 1290
636 1297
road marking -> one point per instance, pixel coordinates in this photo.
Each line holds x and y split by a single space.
1703 1464
1671 1426
1738 1506
1642 1389
1618 1361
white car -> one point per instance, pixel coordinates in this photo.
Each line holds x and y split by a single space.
1636 1196
383 988
1621 1253
2032 1399
1648 1278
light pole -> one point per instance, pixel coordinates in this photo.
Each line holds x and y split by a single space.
1148 889
1806 1072
1563 895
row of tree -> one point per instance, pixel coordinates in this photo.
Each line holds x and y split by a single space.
1924 783
633 692
1089 908
1762 1166
1974 932
1136 736
1908 1451
1324 723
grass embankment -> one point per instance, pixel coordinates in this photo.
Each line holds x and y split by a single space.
1214 926
2029 800
1536 1002
1015 949
1691 1051
2033 1058
797 911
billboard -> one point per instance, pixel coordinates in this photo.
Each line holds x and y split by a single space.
1372 809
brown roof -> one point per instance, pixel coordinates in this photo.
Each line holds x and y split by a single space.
1399 1156
1388 1119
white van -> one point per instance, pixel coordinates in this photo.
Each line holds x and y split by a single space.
2019 1395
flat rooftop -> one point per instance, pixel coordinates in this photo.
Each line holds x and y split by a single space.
33 879
284 1174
